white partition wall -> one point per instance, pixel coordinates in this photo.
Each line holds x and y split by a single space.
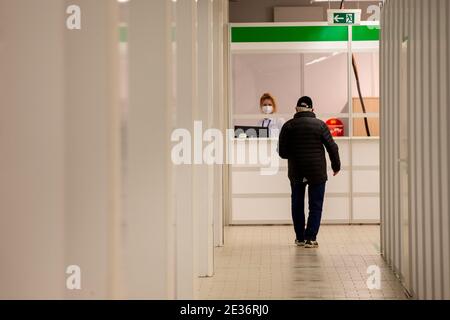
32 185
176 78
81 204
93 177
415 68
219 115
265 199
366 180
148 223
314 59
204 184
60 173
186 247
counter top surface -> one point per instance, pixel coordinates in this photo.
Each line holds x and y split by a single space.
335 138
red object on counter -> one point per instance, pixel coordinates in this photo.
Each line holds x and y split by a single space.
336 127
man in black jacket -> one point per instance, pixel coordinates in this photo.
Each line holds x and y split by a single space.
302 142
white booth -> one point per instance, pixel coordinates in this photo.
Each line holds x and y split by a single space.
289 61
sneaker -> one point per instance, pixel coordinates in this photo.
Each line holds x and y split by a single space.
300 243
311 244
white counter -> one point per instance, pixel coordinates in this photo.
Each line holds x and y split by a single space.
351 197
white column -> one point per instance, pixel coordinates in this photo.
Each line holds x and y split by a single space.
204 189
31 146
186 107
225 110
92 159
148 242
218 93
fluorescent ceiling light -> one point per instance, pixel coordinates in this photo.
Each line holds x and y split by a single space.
321 59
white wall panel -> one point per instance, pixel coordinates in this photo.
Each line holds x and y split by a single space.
149 232
92 149
444 78
278 210
340 183
366 153
425 26
366 208
32 111
205 174
366 181
254 182
261 209
344 152
335 209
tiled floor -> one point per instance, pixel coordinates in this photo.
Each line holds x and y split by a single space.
261 262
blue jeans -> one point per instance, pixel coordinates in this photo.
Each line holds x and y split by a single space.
316 194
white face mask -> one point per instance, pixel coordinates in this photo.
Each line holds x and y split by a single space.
267 109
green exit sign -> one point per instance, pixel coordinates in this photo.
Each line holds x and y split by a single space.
344 16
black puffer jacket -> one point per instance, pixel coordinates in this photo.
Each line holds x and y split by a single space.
302 142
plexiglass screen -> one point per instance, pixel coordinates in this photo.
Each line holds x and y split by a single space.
367 65
287 77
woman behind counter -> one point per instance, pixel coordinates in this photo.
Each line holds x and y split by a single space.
268 106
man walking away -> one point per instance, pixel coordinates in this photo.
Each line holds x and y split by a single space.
302 142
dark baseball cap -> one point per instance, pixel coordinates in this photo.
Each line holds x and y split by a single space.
305 102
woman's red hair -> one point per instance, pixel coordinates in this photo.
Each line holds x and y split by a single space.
268 96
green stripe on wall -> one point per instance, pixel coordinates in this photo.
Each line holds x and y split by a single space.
292 34
289 34
366 33
123 34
